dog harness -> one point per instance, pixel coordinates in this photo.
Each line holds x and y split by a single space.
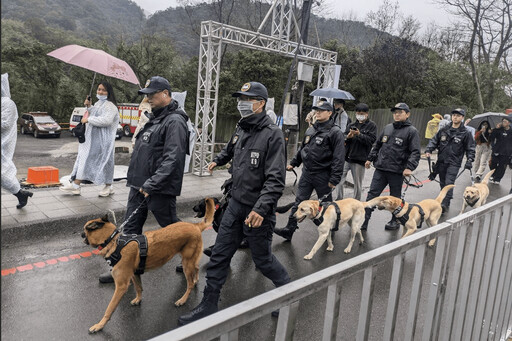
321 210
403 219
122 241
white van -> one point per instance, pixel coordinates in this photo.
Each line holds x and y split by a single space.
76 117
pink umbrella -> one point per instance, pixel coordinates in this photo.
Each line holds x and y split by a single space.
95 60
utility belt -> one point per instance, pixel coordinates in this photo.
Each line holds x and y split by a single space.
122 241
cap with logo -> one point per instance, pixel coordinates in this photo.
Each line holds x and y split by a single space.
362 107
459 111
155 84
252 89
401 106
323 106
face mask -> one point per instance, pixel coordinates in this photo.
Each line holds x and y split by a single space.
101 97
245 108
361 117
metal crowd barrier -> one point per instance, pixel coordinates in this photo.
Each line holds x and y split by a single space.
467 294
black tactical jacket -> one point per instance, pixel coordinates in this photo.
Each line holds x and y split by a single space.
397 148
358 147
322 150
258 167
158 157
501 141
452 144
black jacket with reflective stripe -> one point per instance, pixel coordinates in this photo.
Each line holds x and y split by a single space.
257 151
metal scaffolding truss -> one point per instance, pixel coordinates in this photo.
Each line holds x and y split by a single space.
213 35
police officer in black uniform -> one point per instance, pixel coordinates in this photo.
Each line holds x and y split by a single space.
452 141
257 151
323 155
155 174
395 154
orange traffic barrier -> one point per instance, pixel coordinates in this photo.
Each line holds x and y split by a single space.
44 175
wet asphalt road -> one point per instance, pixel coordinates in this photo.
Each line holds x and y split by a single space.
60 302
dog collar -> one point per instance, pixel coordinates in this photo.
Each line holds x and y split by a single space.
109 239
217 207
399 208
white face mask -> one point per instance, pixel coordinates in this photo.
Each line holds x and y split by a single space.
360 117
245 108
101 97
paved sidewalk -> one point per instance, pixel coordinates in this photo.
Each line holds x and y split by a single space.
52 209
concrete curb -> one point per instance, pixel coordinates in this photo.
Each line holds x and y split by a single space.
46 228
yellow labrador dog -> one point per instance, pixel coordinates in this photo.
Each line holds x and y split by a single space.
351 210
430 209
476 194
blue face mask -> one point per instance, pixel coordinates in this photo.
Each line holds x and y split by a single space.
101 97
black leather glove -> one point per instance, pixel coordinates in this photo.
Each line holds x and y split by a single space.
468 165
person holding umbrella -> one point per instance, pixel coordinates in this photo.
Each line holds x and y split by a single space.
501 142
95 159
452 142
483 149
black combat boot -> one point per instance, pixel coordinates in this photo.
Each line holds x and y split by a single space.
207 307
393 224
287 231
106 277
208 251
23 197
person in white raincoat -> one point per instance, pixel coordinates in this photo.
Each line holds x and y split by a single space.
95 160
9 135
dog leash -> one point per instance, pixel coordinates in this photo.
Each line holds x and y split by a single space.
408 183
321 200
120 228
295 182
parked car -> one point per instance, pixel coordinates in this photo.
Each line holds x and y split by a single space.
119 132
39 123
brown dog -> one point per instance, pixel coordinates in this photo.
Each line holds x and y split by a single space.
476 194
351 210
431 208
163 244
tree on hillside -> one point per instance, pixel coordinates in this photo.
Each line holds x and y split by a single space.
488 30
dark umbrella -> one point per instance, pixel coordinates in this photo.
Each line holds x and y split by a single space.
492 117
332 93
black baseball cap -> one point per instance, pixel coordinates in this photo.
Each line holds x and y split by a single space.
252 89
401 106
155 84
323 105
362 107
459 111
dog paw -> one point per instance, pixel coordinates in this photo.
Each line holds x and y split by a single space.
308 257
347 250
96 328
179 302
431 243
330 248
135 301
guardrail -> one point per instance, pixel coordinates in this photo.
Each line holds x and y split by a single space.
467 294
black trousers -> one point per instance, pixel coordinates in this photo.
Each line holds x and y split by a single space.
231 232
499 162
447 176
162 206
307 183
379 181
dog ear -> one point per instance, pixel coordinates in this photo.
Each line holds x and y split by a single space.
105 218
94 225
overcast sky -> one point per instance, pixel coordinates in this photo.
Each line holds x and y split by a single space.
423 10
